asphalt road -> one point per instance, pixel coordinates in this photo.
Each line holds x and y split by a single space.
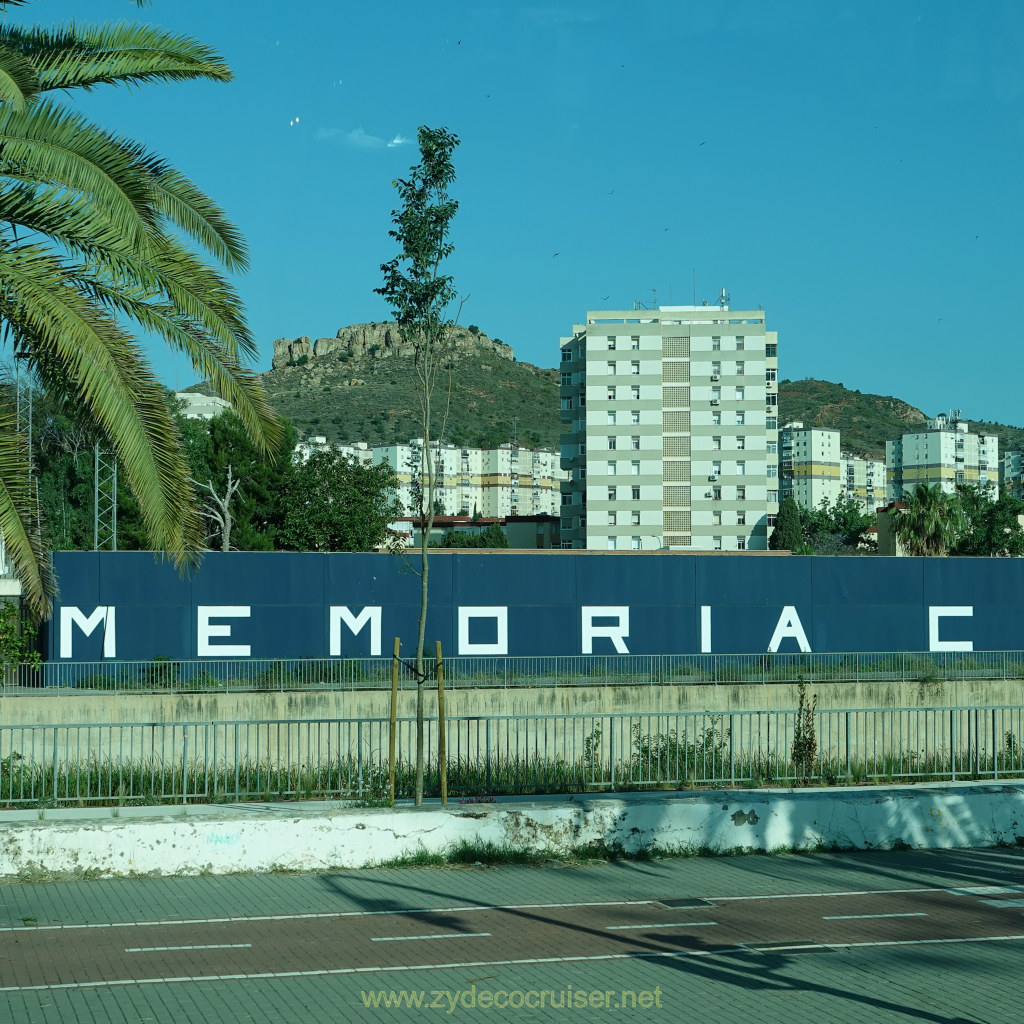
886 936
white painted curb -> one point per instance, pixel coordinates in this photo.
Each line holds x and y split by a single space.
309 837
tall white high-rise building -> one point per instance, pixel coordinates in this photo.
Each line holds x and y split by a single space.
671 438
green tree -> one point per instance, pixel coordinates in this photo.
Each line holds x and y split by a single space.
492 536
931 522
98 237
992 529
336 503
787 535
835 529
421 298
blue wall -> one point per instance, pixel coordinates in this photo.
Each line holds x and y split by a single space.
842 604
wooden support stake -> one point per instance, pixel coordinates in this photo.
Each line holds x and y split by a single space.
393 723
442 740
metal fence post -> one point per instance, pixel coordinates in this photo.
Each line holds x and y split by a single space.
611 750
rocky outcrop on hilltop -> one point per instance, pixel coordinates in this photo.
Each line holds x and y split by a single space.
377 341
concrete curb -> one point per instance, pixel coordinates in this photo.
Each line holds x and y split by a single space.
221 839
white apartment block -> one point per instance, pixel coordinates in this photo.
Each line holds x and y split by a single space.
671 430
864 480
494 482
195 406
945 453
1011 474
809 464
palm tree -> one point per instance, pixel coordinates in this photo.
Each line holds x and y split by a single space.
930 521
98 237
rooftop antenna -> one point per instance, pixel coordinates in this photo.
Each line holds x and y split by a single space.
654 291
724 299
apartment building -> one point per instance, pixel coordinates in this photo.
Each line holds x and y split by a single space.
809 464
864 480
1011 474
671 434
944 453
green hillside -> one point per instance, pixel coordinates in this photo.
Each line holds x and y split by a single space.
360 391
867 421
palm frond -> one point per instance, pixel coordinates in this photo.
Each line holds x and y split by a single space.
80 349
18 80
200 217
84 56
46 144
19 518
231 380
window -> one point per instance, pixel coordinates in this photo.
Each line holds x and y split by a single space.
772 520
741 394
771 447
634 543
773 497
716 468
634 342
716 367
716 394
740 343
611 518
611 444
741 368
634 518
741 418
611 493
771 399
566 405
741 494
716 543
611 343
716 518
611 394
771 471
611 368
634 469
771 374
771 423
741 443
716 419
611 417
716 444
611 468
741 469
634 368
716 344
566 380
611 543
741 544
716 493
634 416
741 518
566 355
634 392
771 350
634 443
636 493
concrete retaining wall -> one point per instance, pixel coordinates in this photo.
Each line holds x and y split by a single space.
301 837
70 708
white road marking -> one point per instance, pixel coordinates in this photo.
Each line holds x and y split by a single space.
443 935
1004 903
644 927
328 915
985 890
166 949
815 895
866 917
411 968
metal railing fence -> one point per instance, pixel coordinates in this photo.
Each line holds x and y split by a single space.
163 676
122 764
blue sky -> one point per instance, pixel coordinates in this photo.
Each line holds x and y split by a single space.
853 167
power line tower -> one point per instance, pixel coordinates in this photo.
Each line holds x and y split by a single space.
104 507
